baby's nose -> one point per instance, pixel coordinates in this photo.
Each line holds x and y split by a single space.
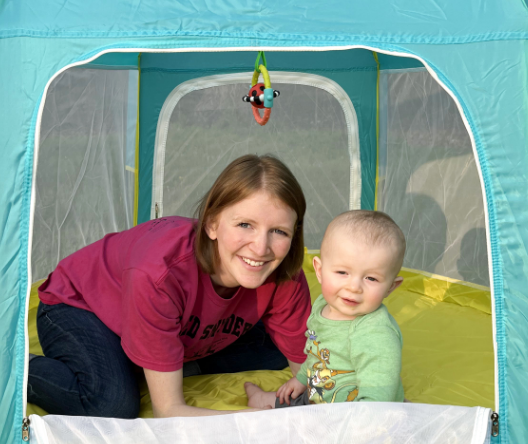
355 286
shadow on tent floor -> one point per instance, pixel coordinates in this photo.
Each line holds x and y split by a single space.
447 352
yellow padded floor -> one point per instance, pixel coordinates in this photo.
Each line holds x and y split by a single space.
447 350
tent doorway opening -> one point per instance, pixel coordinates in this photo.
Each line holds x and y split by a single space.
130 137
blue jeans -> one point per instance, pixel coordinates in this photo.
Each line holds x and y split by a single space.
86 372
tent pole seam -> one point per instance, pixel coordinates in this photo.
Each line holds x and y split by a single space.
475 38
136 167
377 129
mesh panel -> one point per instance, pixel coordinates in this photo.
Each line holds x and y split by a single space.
83 189
346 422
307 130
428 179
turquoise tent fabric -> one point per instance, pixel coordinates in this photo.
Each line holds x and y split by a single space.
477 48
331 21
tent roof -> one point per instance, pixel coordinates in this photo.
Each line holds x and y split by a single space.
331 21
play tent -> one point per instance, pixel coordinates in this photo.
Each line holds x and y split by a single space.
113 113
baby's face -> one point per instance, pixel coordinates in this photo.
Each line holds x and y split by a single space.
355 277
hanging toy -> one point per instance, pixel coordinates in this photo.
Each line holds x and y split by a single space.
261 95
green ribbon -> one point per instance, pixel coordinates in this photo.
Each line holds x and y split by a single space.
257 62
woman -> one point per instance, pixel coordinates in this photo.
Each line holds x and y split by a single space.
172 295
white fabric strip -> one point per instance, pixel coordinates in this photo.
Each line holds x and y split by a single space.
361 422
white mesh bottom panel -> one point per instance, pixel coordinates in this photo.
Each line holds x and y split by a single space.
332 423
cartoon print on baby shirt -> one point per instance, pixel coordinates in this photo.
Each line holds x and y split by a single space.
320 376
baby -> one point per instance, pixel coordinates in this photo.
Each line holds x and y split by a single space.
353 346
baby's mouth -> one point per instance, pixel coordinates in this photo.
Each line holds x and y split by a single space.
350 301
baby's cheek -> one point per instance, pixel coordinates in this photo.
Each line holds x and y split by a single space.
326 289
327 294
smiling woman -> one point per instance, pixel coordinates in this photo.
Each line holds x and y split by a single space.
178 297
245 179
252 241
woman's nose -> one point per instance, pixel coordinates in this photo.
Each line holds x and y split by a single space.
261 245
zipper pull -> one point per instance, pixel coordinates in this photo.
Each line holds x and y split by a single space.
25 429
156 210
494 424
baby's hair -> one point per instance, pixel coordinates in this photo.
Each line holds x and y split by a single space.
373 227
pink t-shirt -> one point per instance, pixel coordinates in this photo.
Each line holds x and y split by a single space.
146 286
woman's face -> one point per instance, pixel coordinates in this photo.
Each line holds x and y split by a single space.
253 237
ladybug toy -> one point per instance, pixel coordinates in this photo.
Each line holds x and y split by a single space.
256 95
261 95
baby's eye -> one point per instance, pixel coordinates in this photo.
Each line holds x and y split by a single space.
370 278
343 273
243 225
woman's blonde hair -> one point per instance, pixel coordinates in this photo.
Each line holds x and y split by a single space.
241 178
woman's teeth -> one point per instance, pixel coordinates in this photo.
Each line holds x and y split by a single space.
252 263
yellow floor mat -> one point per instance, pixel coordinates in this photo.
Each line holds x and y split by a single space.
447 350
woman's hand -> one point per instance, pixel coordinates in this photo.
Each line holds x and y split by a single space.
292 388
166 393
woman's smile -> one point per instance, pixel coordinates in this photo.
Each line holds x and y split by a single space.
253 263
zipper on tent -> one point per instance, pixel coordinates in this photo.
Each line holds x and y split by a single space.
25 429
156 210
494 424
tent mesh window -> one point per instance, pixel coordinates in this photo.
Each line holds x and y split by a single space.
428 180
307 130
85 173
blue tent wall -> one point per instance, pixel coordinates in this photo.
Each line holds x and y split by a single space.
355 71
486 70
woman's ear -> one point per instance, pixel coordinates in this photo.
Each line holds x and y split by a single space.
210 228
317 264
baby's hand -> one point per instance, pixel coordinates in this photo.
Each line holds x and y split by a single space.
292 388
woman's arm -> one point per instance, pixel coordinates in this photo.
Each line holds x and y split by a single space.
294 367
166 394
286 317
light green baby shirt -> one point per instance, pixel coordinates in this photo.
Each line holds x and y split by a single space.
357 360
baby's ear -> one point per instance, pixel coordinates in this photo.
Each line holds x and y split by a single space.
317 264
397 282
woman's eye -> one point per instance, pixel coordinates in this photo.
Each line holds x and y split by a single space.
243 225
370 278
282 233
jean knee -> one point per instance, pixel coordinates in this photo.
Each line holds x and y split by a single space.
126 407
